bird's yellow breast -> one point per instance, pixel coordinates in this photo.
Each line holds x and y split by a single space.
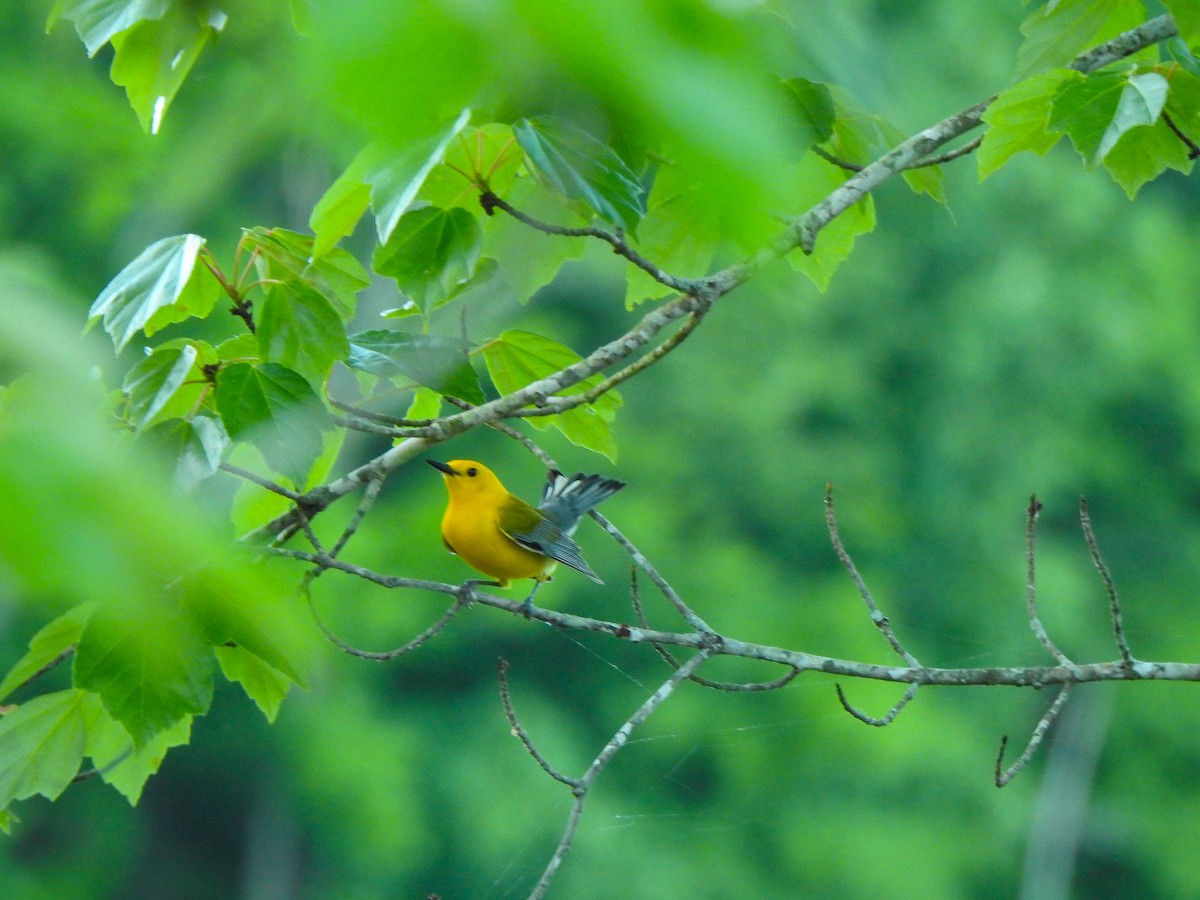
473 532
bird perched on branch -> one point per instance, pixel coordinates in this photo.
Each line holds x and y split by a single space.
506 538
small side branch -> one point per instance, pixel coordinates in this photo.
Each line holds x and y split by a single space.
1193 148
871 720
880 620
385 655
1035 623
616 239
522 735
1004 776
618 740
262 482
660 582
1114 602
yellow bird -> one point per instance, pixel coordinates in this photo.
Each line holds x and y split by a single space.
506 538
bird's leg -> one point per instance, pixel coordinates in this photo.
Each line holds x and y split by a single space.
528 607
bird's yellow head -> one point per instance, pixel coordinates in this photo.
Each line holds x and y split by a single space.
466 478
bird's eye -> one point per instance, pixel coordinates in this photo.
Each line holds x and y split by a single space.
472 471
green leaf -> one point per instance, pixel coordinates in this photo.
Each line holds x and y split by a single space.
1018 118
8 819
243 348
528 259
112 752
339 210
285 255
48 644
98 21
164 277
263 683
488 287
815 180
1096 111
155 56
581 168
426 404
277 411
814 108
196 444
438 363
260 628
679 233
150 665
1183 102
1186 14
300 329
158 380
432 252
1058 32
395 176
1143 153
41 746
517 358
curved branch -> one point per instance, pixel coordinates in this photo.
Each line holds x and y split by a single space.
888 717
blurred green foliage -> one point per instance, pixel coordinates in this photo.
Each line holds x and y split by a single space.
1038 337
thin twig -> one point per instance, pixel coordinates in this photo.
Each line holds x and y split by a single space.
1114 603
1004 776
616 239
888 718
836 160
1035 623
660 582
92 773
370 495
384 655
519 731
62 657
948 156
877 616
383 418
618 740
262 482
1193 148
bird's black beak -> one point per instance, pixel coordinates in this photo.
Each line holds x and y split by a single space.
441 467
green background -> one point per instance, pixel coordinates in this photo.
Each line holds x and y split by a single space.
1040 335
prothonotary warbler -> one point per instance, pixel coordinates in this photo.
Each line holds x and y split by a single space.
506 538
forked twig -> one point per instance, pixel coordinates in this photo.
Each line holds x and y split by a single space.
1004 776
583 785
1114 602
